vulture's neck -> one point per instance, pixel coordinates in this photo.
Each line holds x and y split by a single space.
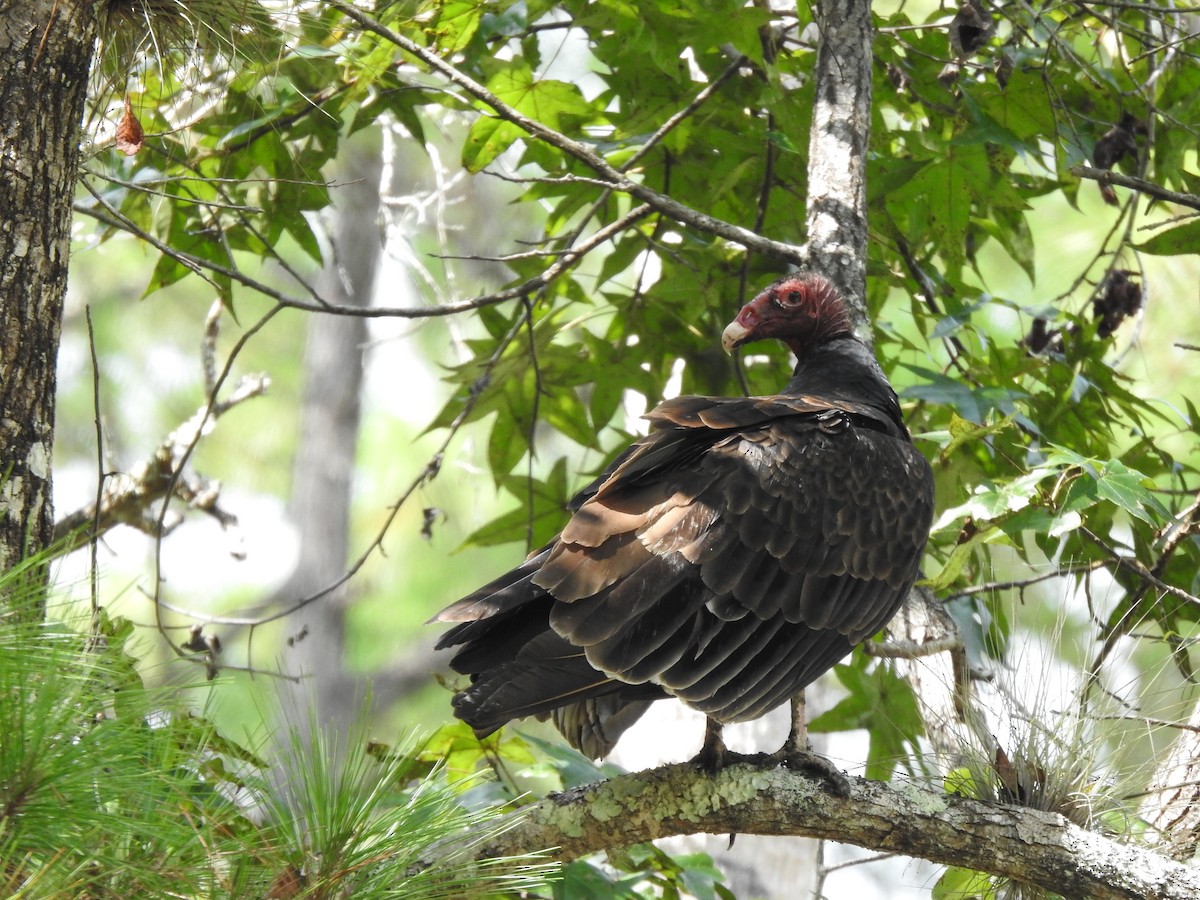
844 369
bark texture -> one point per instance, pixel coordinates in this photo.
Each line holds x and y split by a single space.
47 48
1026 845
837 151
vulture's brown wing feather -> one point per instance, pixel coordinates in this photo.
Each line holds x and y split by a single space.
796 541
728 558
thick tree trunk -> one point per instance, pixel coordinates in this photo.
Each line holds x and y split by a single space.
47 48
837 152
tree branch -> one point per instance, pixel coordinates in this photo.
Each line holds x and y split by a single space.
662 203
125 499
107 215
1149 188
1026 845
1136 568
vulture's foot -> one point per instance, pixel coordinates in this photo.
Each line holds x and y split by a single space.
714 755
797 759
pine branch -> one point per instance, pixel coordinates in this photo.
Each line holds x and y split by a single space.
1025 845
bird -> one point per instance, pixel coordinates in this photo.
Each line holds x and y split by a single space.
729 558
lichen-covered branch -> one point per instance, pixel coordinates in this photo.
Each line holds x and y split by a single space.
1026 845
127 498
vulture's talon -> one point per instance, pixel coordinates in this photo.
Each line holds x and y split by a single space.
708 761
820 766
715 756
712 763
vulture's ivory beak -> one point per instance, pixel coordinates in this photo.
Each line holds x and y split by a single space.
732 336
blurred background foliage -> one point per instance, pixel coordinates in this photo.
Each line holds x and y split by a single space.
1044 342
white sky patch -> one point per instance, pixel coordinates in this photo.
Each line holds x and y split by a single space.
694 71
567 57
675 382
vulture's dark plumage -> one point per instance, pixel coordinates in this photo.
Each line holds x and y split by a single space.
728 558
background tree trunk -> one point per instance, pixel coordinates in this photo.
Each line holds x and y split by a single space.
323 471
47 47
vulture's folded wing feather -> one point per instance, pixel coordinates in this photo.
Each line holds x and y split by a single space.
730 578
728 558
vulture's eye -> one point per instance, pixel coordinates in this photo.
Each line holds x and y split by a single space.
793 298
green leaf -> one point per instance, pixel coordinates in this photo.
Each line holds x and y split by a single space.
990 500
963 432
957 884
953 567
456 24
883 704
487 138
541 515
972 403
1110 480
1174 242
506 445
555 104
1131 491
573 768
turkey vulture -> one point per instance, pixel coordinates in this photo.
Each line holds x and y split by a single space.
728 558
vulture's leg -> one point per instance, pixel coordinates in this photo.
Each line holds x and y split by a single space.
713 753
797 739
797 754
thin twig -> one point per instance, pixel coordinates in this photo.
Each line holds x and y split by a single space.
114 219
1106 176
203 419
894 649
94 540
1022 583
1139 570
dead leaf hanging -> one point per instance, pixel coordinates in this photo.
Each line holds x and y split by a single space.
129 136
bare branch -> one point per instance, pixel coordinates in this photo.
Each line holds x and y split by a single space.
1026 845
125 499
1136 568
1020 584
112 218
894 649
428 472
1149 188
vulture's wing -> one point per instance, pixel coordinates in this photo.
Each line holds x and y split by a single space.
728 558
